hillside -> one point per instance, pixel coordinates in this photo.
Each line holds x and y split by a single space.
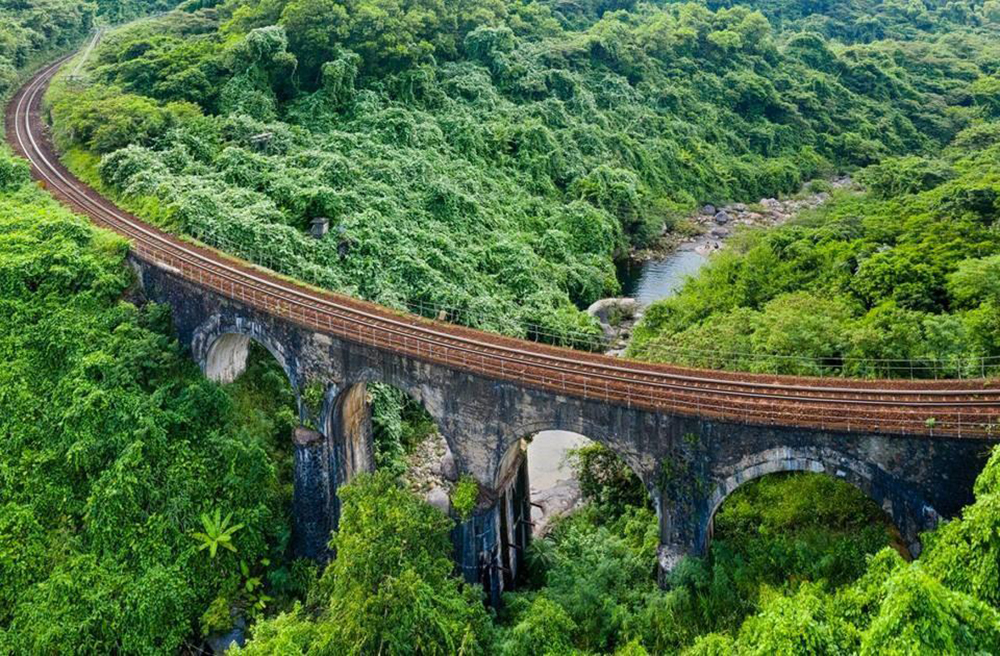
491 159
898 282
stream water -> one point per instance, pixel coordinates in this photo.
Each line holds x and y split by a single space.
654 280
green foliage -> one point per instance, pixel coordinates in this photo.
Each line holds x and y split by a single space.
799 527
606 481
798 624
897 282
465 496
218 533
544 629
596 577
108 120
113 446
975 282
920 615
868 20
965 554
33 29
986 91
900 176
491 158
772 538
943 603
390 589
14 173
399 424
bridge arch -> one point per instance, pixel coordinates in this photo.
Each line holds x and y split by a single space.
907 508
220 347
347 419
515 490
591 430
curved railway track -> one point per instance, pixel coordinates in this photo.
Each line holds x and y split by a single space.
946 408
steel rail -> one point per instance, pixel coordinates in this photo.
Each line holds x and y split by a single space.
574 373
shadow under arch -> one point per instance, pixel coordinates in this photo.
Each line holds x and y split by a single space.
910 513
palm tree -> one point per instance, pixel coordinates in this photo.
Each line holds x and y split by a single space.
218 533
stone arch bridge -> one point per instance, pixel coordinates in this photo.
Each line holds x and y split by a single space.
692 436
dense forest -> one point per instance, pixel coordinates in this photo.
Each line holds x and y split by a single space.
447 142
493 158
901 281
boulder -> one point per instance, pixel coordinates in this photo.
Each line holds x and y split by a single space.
739 207
601 310
722 218
447 467
720 233
438 497
304 436
708 210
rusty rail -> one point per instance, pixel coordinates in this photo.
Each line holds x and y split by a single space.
968 408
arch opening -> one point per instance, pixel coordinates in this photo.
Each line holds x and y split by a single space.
552 474
380 427
266 414
228 354
227 358
801 523
909 514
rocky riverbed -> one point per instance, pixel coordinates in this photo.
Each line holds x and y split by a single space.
653 275
716 224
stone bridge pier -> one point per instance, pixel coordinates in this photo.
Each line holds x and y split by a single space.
689 466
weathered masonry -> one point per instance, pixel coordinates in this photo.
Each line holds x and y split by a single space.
688 465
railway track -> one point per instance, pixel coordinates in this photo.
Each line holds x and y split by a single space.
968 408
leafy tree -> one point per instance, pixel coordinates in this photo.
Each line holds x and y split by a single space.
920 615
103 488
390 589
544 629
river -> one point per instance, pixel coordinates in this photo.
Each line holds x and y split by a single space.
654 280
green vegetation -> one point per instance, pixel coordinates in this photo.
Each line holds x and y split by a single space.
399 424
34 31
488 158
465 496
491 158
593 578
389 591
119 461
864 21
900 281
